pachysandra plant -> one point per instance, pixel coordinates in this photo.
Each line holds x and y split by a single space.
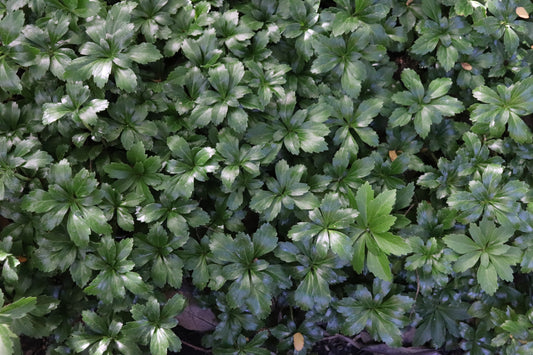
74 197
489 196
284 191
108 51
504 106
486 246
377 311
291 175
327 226
449 35
302 129
423 106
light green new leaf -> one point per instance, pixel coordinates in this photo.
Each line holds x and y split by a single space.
18 309
7 338
372 238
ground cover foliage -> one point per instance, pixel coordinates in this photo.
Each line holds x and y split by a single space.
302 168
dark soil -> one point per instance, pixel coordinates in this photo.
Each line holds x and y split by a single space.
32 346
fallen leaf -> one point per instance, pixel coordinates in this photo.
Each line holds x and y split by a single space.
393 155
522 12
409 2
4 222
408 335
466 66
22 259
194 317
298 341
197 318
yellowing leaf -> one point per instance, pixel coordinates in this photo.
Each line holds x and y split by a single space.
521 12
393 155
298 340
466 66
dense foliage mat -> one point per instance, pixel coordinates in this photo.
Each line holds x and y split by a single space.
299 168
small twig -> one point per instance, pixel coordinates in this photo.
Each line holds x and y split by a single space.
292 315
416 294
343 337
195 347
417 285
409 209
359 236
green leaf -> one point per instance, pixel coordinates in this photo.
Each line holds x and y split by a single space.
510 40
412 82
461 243
162 340
156 249
440 320
6 340
438 87
392 244
313 292
487 278
351 78
447 56
78 229
8 76
518 130
125 79
489 196
425 44
195 255
11 26
19 308
379 265
265 239
144 53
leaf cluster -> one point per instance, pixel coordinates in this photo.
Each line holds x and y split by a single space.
302 168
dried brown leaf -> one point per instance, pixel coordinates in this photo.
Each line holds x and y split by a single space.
522 12
298 341
194 317
466 66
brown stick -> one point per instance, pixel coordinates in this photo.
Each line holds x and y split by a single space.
343 337
199 348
